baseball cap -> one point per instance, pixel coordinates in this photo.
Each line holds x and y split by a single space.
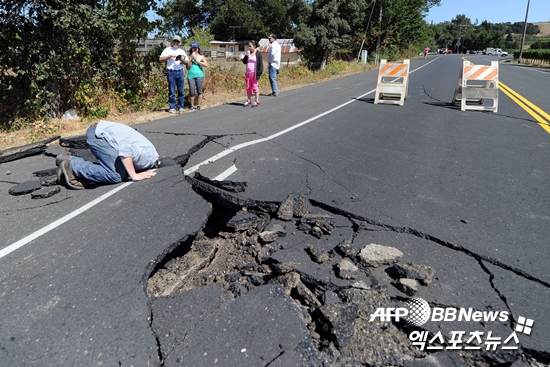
194 44
176 38
273 35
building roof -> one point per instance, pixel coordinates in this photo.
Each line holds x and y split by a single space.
287 45
238 42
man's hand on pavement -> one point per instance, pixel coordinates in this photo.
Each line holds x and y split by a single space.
143 175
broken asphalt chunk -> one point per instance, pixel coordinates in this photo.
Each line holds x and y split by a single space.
374 255
317 255
347 270
45 172
243 221
228 200
74 142
28 150
48 180
407 286
251 330
25 188
231 186
339 320
423 273
345 249
269 236
292 206
45 192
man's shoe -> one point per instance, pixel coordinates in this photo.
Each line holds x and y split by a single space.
64 170
274 94
172 111
191 109
198 108
181 110
61 158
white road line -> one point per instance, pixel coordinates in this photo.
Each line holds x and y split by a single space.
22 242
270 137
225 174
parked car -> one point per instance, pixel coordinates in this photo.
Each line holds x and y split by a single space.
496 52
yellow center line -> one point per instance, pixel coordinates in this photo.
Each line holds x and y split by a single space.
542 117
538 114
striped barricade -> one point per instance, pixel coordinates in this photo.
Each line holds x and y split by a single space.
393 83
476 83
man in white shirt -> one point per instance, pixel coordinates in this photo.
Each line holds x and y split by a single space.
175 59
274 61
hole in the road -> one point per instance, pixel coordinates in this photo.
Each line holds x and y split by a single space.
247 244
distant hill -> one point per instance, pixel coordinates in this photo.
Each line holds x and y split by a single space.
544 29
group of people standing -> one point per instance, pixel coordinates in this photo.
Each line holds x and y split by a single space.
177 60
123 153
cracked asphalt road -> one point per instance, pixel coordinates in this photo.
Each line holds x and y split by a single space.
462 192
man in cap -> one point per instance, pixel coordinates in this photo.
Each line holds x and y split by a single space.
175 59
274 62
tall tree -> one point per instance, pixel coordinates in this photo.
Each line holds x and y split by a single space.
330 25
51 47
237 13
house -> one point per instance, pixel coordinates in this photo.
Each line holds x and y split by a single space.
289 52
232 48
144 45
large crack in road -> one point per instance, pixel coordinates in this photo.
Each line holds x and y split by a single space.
302 257
309 249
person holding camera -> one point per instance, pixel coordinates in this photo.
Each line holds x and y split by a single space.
175 59
195 75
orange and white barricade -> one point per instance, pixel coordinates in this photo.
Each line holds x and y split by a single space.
477 83
393 83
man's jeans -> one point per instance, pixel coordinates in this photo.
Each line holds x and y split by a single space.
109 168
176 80
273 79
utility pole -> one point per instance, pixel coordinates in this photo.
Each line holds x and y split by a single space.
234 27
524 31
378 38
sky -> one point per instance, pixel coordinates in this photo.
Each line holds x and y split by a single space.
494 11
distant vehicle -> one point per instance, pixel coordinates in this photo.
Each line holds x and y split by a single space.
496 52
479 52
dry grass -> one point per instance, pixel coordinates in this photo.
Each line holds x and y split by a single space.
544 29
40 131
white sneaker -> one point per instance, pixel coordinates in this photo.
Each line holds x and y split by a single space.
181 110
172 111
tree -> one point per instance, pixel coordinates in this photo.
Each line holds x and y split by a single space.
403 26
255 18
330 25
180 16
51 48
201 36
237 13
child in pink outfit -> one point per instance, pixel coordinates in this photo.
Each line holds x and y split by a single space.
254 70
